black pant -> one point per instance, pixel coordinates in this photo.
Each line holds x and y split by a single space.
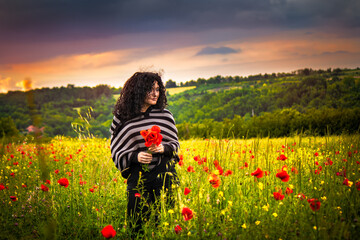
139 208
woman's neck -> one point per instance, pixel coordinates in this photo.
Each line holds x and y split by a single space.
144 108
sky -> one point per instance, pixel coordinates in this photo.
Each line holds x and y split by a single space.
54 43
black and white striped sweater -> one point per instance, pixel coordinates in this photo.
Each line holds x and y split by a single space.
126 142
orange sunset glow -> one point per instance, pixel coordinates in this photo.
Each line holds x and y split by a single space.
54 55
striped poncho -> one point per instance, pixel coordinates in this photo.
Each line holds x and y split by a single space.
126 141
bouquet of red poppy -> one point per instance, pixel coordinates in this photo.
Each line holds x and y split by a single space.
151 136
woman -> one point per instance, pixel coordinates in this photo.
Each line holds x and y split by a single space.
141 106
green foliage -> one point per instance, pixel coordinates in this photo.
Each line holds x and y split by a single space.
7 127
277 104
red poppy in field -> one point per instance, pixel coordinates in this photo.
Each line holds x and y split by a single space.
214 180
278 195
314 204
283 176
316 154
346 182
294 170
206 169
282 157
228 172
63 182
258 173
301 196
23 185
56 171
12 174
197 158
177 229
187 213
288 191
190 169
44 188
357 186
47 182
152 136
91 190
16 163
181 162
216 163
221 171
246 164
108 231
137 195
12 156
13 198
2 187
81 182
187 191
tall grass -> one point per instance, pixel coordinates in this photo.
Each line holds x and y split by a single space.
243 206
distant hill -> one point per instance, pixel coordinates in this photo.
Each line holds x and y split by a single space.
271 104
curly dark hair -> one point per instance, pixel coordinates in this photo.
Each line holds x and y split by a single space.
134 92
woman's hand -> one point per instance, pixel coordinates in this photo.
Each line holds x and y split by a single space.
144 157
156 149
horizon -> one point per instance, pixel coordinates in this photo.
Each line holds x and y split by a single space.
90 43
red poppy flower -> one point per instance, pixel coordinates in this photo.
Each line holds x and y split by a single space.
346 182
214 180
13 198
108 231
283 176
137 195
91 190
187 191
316 154
44 188
12 174
16 163
177 229
301 196
57 171
196 158
216 163
357 185
181 162
288 191
258 173
187 213
246 164
206 169
190 169
278 195
228 172
314 204
282 157
221 171
63 182
152 136
47 182
2 187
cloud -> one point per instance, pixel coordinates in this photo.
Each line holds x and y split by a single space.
5 84
25 84
214 50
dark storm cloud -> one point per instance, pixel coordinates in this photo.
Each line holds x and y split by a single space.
219 50
61 21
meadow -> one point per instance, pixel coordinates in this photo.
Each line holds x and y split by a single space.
260 188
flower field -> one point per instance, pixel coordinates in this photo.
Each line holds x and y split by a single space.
288 188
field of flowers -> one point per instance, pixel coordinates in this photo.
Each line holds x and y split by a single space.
288 188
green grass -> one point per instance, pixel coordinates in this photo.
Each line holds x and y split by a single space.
242 207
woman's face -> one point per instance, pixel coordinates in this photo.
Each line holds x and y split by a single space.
152 96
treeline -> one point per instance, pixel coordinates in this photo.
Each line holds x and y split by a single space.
236 79
280 123
222 101
277 105
56 109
